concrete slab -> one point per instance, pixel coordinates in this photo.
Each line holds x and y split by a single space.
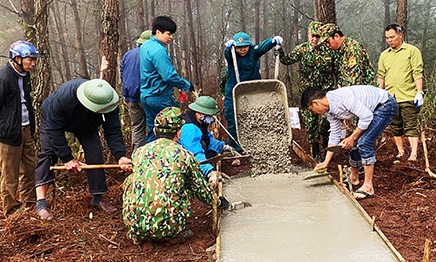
292 219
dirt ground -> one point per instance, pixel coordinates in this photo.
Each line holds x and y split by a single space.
404 206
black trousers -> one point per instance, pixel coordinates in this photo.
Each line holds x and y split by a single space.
93 155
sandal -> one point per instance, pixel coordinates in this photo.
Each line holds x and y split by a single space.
360 194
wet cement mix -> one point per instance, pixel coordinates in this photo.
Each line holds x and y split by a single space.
404 206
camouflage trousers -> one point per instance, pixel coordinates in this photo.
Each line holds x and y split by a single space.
317 127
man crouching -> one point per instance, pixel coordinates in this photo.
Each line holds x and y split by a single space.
156 198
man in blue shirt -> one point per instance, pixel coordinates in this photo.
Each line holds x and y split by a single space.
129 73
158 75
373 107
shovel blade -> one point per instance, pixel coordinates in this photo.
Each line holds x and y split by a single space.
316 176
215 159
334 149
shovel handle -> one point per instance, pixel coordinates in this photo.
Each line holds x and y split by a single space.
88 166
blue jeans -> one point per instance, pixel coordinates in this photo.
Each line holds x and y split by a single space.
363 153
229 114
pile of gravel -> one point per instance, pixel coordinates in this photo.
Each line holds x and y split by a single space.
263 133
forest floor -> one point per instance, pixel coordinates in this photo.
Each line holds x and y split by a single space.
404 206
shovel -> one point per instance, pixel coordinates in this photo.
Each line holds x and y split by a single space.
319 173
213 160
334 149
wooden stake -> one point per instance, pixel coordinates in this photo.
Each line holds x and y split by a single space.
341 179
426 251
424 145
218 234
215 215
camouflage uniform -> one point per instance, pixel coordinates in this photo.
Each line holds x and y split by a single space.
352 65
316 71
156 198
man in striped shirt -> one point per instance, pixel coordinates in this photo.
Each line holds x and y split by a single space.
374 109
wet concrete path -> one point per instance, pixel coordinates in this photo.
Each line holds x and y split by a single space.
292 219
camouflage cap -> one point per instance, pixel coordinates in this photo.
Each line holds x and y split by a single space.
169 120
314 27
326 31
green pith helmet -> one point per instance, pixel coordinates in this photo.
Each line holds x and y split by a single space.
314 27
242 39
326 31
169 120
205 105
98 96
144 37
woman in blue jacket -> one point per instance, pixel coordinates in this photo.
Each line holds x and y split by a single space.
197 138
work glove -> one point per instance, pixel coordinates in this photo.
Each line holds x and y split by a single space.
277 40
212 178
419 100
223 203
279 52
230 43
191 87
227 148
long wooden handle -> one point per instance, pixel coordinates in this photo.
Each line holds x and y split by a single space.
235 64
88 166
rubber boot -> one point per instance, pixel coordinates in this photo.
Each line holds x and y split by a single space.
316 153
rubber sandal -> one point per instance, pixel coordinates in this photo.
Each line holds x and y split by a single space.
360 194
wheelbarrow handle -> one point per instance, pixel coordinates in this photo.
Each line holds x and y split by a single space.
235 64
277 63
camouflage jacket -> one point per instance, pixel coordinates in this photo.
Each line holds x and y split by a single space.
156 198
352 65
316 65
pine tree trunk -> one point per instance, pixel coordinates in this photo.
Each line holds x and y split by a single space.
41 89
327 11
109 44
402 15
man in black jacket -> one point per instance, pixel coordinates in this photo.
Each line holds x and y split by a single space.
80 107
17 125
